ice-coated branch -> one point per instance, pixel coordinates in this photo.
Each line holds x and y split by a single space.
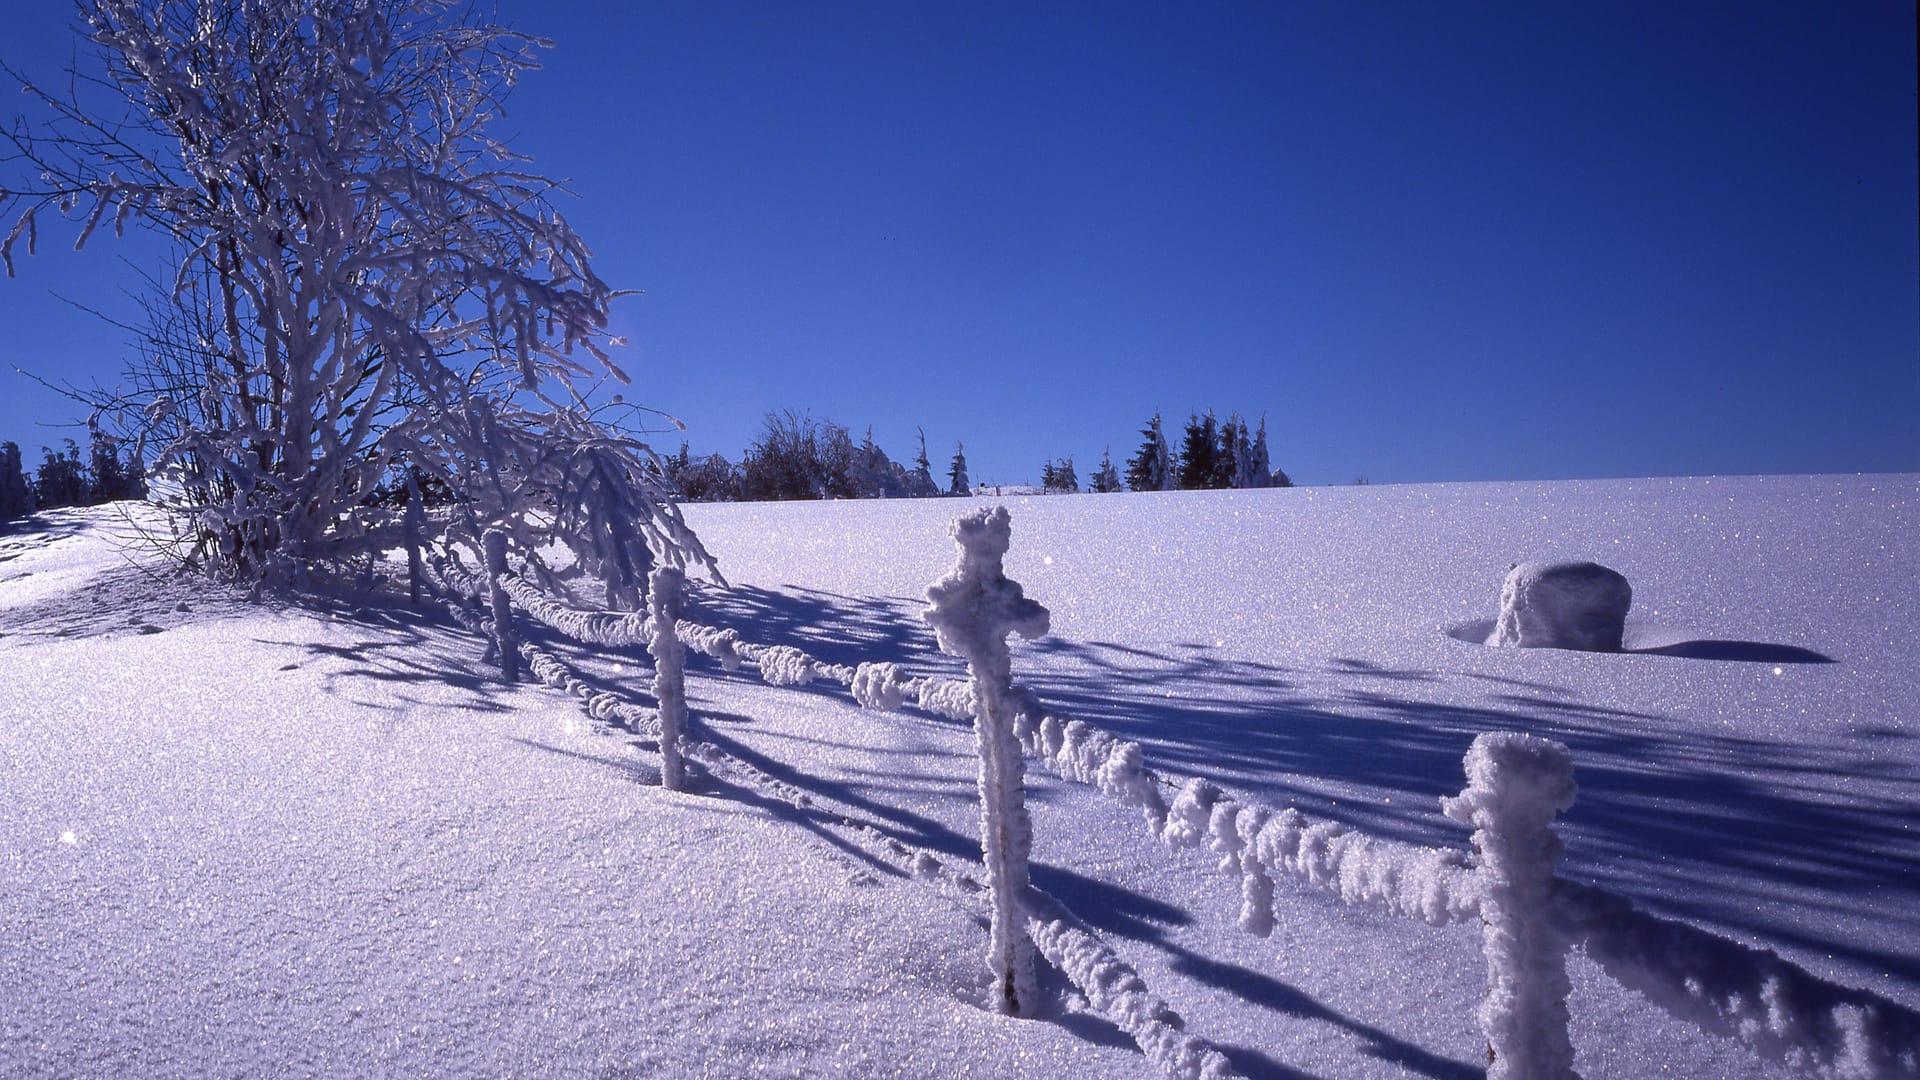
972 610
1516 783
669 671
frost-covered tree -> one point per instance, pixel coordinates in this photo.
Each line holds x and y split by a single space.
1226 455
1106 479
61 479
1197 452
16 496
957 482
1151 468
113 477
370 286
798 457
784 462
923 468
707 478
1060 477
1260 465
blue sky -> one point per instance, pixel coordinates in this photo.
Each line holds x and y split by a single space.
1428 242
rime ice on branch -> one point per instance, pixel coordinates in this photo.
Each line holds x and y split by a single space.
972 611
1516 783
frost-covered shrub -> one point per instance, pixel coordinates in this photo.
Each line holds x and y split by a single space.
1564 605
370 287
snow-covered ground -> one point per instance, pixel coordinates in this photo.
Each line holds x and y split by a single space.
242 839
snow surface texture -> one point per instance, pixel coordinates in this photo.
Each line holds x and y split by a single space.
1563 605
1829 1029
1281 642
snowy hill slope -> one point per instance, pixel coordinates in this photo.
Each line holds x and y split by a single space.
335 847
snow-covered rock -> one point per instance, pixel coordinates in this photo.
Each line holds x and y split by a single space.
1563 605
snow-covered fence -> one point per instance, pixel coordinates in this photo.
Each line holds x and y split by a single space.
496 552
972 610
1032 917
1515 785
1530 917
669 667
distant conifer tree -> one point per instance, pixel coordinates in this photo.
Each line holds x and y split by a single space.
1106 479
62 480
1151 468
957 483
16 496
1197 452
1065 480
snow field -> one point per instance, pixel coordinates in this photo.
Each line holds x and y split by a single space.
1362 726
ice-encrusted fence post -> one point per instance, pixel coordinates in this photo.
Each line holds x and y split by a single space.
495 542
411 525
1516 783
669 670
972 610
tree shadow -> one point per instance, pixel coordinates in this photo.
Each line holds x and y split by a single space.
1668 813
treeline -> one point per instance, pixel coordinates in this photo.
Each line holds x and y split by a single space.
799 457
110 471
1212 455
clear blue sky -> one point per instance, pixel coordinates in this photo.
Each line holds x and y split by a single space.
1427 241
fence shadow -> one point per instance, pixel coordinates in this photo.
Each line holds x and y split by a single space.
1667 813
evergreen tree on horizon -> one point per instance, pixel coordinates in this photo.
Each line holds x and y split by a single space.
957 483
922 467
1106 479
1197 452
16 495
1151 468
61 481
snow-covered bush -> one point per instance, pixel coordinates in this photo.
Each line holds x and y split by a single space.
972 610
1563 605
1516 783
371 289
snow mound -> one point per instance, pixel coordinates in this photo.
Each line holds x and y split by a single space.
1563 605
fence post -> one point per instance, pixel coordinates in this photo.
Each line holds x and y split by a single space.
971 610
496 548
669 671
410 525
1515 785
